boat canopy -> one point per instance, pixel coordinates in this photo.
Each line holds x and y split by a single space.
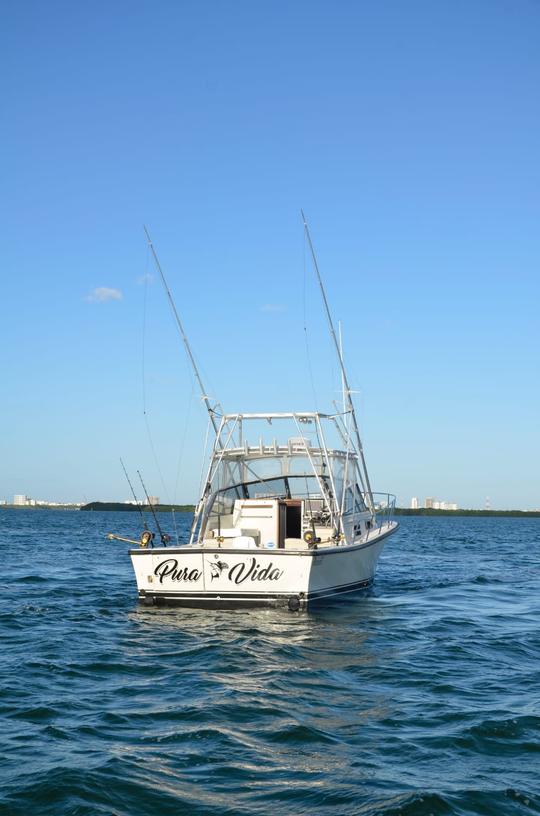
307 455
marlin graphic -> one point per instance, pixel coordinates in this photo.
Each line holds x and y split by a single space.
217 567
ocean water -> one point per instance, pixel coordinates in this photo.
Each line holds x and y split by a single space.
419 697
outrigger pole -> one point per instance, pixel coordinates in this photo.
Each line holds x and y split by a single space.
212 409
209 407
347 390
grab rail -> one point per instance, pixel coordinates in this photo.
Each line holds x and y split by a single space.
384 505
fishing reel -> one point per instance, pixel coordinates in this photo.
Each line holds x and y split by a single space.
311 539
147 538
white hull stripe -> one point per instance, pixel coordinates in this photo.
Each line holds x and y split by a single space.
227 597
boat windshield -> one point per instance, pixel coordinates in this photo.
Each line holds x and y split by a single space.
304 487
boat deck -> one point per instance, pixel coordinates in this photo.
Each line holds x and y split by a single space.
299 545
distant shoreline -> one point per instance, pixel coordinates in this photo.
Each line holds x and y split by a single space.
104 506
422 511
190 508
39 507
122 507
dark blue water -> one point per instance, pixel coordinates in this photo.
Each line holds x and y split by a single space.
421 697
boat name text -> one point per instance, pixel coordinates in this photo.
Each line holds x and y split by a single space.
252 570
169 569
242 571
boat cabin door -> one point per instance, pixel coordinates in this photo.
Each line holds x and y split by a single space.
290 520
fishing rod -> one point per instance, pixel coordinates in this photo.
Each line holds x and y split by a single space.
163 536
173 511
139 508
346 389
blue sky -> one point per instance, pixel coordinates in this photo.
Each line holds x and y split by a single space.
408 132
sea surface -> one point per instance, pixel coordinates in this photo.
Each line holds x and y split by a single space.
419 697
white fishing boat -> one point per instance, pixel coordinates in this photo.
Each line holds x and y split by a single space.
286 515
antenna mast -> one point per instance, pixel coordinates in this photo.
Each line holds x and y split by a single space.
209 407
347 390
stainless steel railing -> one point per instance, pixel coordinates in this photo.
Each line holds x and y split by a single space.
385 505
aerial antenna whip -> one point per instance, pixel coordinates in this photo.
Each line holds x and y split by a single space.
343 391
347 390
139 508
163 536
209 407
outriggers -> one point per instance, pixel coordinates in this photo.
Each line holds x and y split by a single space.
284 518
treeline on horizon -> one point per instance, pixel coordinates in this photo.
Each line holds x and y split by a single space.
429 511
399 511
160 508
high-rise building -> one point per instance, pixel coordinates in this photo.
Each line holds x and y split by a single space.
414 503
428 503
20 499
153 500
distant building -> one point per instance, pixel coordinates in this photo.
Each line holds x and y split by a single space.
434 504
414 503
153 500
20 500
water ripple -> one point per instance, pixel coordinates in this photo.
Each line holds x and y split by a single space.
418 697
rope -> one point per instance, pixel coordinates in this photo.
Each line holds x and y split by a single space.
183 442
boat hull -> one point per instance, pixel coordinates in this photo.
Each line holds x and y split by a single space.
232 578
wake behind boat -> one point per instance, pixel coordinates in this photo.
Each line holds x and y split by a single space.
286 516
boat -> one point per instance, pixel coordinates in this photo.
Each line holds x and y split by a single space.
286 515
